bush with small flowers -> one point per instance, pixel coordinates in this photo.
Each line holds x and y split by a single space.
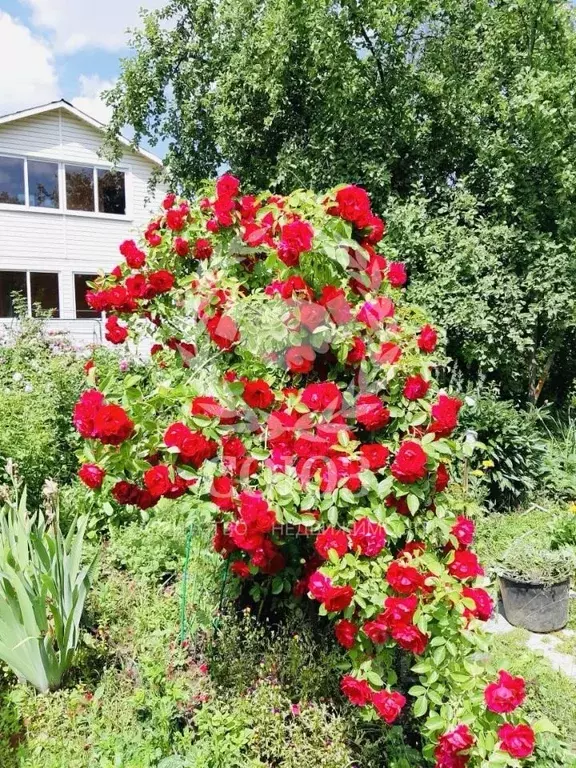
294 394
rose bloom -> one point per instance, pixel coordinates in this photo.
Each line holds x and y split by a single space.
375 455
388 704
388 354
353 204
404 578
371 412
442 478
506 694
367 537
445 415
157 480
202 249
136 286
115 333
409 464
337 598
227 186
312 315
175 219
169 201
357 353
376 630
346 632
400 610
112 425
465 565
518 740
358 692
85 412
331 538
210 407
322 397
91 475
223 331
161 281
410 638
300 359
181 246
463 530
222 493
334 300
456 741
396 274
240 568
482 601
135 258
295 238
415 387
257 394
372 313
427 339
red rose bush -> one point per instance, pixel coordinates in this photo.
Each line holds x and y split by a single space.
291 389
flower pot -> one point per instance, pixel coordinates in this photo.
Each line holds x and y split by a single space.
536 607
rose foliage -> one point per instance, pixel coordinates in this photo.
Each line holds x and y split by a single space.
291 390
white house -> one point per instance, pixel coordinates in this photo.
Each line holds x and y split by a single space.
64 211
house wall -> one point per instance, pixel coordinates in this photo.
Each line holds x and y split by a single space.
71 242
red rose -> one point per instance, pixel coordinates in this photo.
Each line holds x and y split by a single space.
161 281
135 258
319 585
223 208
257 394
334 300
157 480
136 286
409 464
372 313
376 630
371 412
404 578
115 333
388 354
222 493
295 238
211 408
321 397
357 353
465 565
227 186
175 219
388 704
125 492
410 638
463 530
346 633
427 339
91 475
415 387
374 228
202 249
368 537
518 740
353 204
112 425
312 315
255 512
223 331
331 538
85 412
169 201
396 274
442 478
181 246
358 692
338 598
482 602
300 359
240 568
445 415
400 610
456 741
506 694
375 455
194 447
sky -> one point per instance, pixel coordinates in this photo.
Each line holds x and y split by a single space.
71 49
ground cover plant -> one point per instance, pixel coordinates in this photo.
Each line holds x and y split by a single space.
293 396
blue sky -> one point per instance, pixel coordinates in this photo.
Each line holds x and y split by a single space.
68 49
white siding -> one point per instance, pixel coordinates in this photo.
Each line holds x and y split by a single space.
69 243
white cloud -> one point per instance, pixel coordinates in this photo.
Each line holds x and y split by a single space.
89 101
78 24
29 76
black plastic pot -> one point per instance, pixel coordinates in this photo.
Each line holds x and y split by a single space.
536 607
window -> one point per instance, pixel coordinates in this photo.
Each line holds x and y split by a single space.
43 184
111 192
11 282
38 288
80 288
79 188
12 187
83 181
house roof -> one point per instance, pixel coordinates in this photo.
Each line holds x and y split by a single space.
67 107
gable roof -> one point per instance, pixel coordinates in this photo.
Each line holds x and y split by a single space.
71 109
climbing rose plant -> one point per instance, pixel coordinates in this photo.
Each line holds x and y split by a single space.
291 390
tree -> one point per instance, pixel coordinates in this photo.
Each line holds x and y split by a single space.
474 93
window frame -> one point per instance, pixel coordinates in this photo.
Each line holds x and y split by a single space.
28 272
62 199
80 274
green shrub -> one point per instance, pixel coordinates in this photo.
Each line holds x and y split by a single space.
514 445
560 457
